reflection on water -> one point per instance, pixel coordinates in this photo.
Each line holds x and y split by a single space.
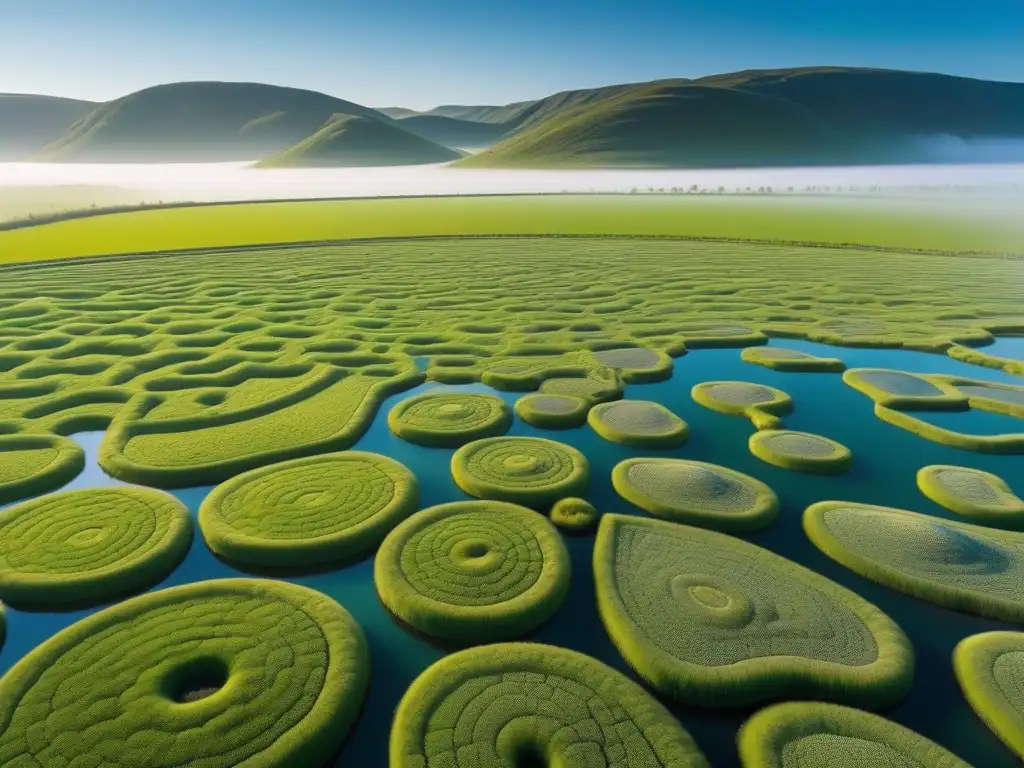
886 461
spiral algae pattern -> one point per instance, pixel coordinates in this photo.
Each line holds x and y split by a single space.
552 411
709 619
32 464
448 420
574 515
638 423
982 497
696 493
86 546
310 512
801 451
990 670
960 566
233 673
806 734
525 703
762 404
473 571
791 360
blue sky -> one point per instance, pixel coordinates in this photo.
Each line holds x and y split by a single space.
421 53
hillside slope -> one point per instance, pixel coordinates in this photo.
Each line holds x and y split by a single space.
29 122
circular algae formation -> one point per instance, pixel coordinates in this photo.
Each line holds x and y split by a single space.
448 420
233 673
34 464
696 493
981 496
758 402
552 411
815 735
990 669
88 545
960 566
710 619
473 571
531 704
574 515
638 423
791 360
523 470
801 451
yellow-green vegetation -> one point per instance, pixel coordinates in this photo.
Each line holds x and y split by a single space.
532 704
448 420
710 619
791 360
762 404
640 423
696 493
552 411
989 396
574 515
600 386
523 470
800 734
903 390
978 357
473 571
990 669
957 565
34 464
1006 443
636 365
90 545
981 496
233 673
308 512
801 451
27 203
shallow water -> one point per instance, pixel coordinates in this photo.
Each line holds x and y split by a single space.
886 461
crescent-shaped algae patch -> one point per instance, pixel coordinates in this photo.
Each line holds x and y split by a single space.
990 670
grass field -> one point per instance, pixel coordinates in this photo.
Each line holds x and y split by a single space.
22 202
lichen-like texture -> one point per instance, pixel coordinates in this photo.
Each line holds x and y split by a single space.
594 389
473 571
710 619
639 423
552 411
758 402
957 565
448 420
637 364
802 451
981 496
523 470
814 735
791 360
990 669
88 545
34 464
900 389
696 493
574 515
234 673
308 512
531 704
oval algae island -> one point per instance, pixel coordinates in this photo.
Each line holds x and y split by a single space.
791 360
710 619
34 464
574 515
308 512
552 411
758 402
448 420
990 669
814 735
233 673
981 496
523 470
900 389
532 704
696 493
801 451
85 546
638 423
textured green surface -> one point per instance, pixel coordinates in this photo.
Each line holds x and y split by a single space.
758 402
802 451
552 411
448 420
900 389
574 515
791 360
639 423
990 669
33 464
981 496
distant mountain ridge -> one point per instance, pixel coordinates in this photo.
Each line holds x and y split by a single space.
29 122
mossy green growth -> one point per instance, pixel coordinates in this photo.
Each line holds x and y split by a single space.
526 703
639 423
636 365
710 619
448 420
473 571
991 396
981 496
957 565
599 387
696 493
979 357
990 670
574 515
791 360
232 673
801 451
34 464
552 411
523 470
808 734
1012 442
903 390
308 512
762 404
86 546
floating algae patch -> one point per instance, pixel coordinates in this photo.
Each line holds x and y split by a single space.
85 546
574 515
552 411
979 431
957 565
903 390
33 464
523 470
449 420
639 423
532 704
815 735
989 396
308 512
713 620
791 360
758 402
473 571
637 364
696 493
593 389
981 496
990 669
233 673
801 451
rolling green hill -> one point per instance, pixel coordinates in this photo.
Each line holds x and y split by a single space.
453 132
28 122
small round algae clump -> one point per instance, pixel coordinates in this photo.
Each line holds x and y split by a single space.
758 402
696 493
815 735
233 673
473 571
792 360
552 411
34 464
590 388
990 669
448 420
981 496
531 704
308 512
638 423
523 470
574 515
801 451
89 545
637 364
